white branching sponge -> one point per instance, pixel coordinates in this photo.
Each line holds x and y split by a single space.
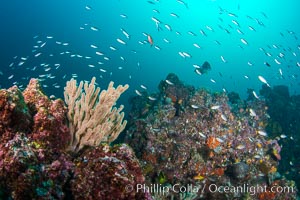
93 117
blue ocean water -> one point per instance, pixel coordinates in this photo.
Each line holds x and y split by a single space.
63 32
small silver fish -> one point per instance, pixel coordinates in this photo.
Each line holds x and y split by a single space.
244 41
212 80
255 95
155 20
174 15
283 136
169 82
235 22
240 147
257 156
123 15
280 72
144 87
113 48
186 54
168 27
152 98
138 93
192 33
194 106
88 7
277 61
38 54
251 28
121 41
202 135
93 46
181 54
196 45
262 133
224 117
252 113
198 72
93 28
99 53
239 31
10 77
196 66
42 45
263 80
166 40
215 107
157 47
209 28
223 59
125 33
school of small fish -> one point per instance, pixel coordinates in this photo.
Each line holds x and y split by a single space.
135 50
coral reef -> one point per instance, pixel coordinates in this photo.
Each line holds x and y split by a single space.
115 165
182 136
284 124
173 93
12 109
208 143
35 163
177 92
33 136
92 118
49 118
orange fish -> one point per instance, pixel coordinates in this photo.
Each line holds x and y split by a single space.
150 40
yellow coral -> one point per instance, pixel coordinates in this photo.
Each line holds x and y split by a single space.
92 116
273 169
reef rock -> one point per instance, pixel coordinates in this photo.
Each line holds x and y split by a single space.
208 143
108 173
34 163
14 115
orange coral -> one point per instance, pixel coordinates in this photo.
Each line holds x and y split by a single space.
267 195
273 169
173 98
218 171
212 142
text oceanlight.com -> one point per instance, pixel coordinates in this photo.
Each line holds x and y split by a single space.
212 188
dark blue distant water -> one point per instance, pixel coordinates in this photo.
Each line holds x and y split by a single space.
63 32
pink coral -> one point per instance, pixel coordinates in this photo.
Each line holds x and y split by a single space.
33 159
49 127
105 170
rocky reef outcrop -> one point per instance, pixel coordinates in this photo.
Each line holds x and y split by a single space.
210 144
34 163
